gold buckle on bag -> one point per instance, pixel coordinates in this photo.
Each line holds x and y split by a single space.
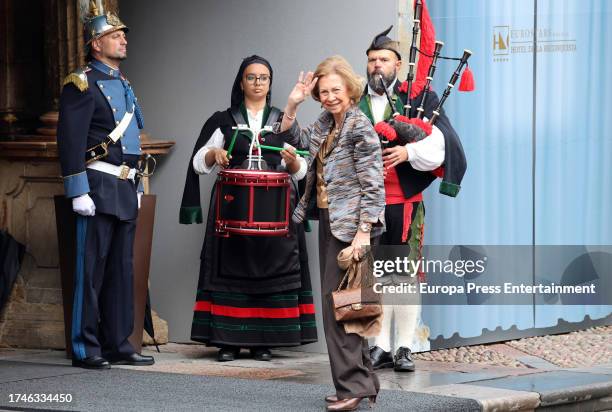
356 306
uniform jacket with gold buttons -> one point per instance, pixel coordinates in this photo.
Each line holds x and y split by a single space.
93 101
353 172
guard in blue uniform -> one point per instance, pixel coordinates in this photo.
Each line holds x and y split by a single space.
99 149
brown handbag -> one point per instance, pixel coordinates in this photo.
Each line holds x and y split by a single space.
357 300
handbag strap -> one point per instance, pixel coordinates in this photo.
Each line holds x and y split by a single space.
358 279
344 279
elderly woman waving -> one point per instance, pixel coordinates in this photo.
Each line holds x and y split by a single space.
345 191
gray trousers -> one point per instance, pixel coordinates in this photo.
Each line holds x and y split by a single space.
349 356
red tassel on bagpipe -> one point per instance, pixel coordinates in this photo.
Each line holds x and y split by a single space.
467 81
386 130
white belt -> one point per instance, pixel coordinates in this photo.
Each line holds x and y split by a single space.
122 172
122 126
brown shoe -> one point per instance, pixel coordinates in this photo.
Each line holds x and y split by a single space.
331 398
349 404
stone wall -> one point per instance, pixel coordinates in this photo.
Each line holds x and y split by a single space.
34 314
33 317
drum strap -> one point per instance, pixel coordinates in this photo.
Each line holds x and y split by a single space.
239 120
272 117
237 116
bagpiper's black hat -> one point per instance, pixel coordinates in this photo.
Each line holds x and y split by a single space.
382 42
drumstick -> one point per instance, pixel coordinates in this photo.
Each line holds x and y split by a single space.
231 146
278 149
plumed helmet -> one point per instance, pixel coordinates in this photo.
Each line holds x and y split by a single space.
97 23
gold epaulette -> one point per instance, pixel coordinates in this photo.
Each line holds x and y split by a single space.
78 78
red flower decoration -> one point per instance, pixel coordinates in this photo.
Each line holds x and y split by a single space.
386 130
401 118
426 127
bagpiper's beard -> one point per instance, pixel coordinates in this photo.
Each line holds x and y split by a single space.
376 83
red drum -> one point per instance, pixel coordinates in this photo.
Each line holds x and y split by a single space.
252 202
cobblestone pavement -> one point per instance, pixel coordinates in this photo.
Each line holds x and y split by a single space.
571 350
576 349
481 354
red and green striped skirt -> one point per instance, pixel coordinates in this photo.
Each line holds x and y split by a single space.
249 320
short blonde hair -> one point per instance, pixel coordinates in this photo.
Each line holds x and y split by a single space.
338 65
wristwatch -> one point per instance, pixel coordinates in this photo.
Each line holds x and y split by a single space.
365 227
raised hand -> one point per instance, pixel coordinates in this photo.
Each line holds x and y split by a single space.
302 89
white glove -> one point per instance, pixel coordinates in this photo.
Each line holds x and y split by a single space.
83 205
139 194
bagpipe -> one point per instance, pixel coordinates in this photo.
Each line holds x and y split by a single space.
402 129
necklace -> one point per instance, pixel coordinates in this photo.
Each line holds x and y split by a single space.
338 127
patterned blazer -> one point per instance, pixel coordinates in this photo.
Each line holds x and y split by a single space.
353 172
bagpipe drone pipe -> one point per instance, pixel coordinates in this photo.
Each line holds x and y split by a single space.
421 110
403 129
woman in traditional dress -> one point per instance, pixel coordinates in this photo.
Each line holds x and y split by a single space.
254 291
